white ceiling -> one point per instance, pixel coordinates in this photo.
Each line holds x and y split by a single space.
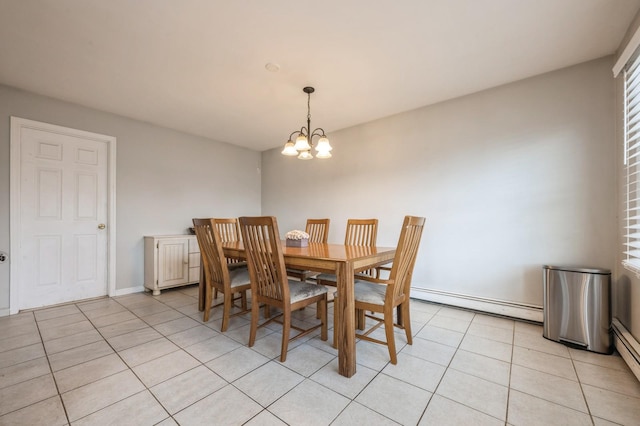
199 65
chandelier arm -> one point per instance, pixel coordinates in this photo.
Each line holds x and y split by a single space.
292 134
303 131
318 134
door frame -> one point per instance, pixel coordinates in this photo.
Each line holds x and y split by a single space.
17 124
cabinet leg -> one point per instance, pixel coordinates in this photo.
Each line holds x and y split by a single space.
156 292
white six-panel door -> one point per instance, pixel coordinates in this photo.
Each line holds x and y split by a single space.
63 231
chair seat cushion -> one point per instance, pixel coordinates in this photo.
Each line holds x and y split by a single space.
236 265
330 277
368 292
298 271
327 277
299 290
239 277
301 273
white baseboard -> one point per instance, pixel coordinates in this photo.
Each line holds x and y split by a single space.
493 306
129 290
121 292
627 346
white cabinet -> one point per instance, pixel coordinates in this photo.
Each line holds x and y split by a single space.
170 261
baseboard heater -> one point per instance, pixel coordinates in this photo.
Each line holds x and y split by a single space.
492 306
627 346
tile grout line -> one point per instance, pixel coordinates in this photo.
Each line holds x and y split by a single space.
123 361
53 376
146 388
513 343
586 402
448 366
200 364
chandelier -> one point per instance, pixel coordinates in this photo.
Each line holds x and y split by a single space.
304 140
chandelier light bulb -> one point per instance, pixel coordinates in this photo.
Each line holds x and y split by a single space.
289 149
302 144
305 155
323 145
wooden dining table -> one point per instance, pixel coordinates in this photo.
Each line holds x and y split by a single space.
343 261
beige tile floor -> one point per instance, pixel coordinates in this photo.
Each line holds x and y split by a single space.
145 360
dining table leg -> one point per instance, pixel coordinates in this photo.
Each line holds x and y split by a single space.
345 310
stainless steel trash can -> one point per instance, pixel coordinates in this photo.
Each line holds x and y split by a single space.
577 307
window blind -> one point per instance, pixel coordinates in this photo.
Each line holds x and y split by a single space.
632 162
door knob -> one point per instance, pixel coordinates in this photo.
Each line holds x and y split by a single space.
102 226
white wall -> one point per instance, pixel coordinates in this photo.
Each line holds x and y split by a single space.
509 179
626 287
164 178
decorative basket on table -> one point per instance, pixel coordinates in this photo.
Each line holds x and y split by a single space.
297 238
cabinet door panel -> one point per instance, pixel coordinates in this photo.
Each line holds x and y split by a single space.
173 264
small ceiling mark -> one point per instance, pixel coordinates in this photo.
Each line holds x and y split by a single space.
272 67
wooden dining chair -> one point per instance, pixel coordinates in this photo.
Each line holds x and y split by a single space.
217 274
383 296
318 230
359 232
270 285
229 231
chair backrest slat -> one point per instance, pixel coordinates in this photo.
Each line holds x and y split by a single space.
361 232
318 230
265 259
229 231
406 253
213 259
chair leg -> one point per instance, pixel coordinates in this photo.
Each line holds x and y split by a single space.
207 302
286 329
391 341
255 313
361 319
226 310
335 324
202 288
323 319
243 300
407 321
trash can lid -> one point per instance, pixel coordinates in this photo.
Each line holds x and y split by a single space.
586 270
